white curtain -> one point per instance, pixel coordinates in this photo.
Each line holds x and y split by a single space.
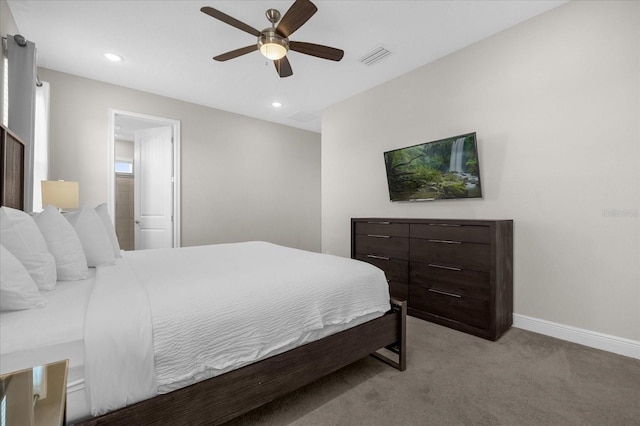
5 89
21 75
41 144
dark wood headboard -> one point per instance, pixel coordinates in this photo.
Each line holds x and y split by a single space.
11 169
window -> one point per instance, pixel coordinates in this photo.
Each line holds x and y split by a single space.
41 144
3 411
124 167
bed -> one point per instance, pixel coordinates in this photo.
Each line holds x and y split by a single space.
222 386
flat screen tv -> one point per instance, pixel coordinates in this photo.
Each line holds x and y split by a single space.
442 169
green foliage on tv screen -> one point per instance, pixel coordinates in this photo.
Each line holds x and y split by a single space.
435 170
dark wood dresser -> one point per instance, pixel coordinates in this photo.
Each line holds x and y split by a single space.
457 273
11 169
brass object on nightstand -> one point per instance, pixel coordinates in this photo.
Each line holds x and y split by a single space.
36 396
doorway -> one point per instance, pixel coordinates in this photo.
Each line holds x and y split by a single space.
144 180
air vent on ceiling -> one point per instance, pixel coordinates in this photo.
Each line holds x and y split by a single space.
375 55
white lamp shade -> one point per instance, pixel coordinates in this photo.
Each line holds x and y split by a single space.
60 194
273 51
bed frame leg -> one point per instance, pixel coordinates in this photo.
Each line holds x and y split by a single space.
399 347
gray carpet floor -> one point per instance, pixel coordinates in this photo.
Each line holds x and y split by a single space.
453 378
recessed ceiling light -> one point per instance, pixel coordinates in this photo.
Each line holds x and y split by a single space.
276 104
113 57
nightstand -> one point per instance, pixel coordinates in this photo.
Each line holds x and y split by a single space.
35 396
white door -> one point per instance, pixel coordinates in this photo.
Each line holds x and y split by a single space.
153 188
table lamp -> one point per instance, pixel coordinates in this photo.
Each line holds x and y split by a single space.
60 194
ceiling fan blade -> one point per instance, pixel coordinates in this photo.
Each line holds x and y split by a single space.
235 53
283 67
317 50
295 17
229 20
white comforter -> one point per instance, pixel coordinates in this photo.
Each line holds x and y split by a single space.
162 319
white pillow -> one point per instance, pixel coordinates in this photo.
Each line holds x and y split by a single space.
108 226
21 236
63 243
93 236
17 289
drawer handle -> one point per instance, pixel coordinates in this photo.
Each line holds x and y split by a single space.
445 293
443 224
450 268
381 223
373 256
445 241
378 236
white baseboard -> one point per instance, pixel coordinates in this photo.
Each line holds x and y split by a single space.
605 342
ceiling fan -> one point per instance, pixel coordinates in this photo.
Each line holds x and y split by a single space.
273 42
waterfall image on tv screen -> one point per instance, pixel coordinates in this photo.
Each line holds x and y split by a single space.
443 169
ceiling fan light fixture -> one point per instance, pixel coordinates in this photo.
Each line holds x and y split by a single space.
273 42
271 45
273 51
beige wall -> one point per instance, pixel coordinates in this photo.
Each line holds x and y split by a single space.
7 23
556 105
242 178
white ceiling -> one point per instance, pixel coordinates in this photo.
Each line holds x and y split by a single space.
167 47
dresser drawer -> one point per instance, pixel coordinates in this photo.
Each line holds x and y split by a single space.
465 283
385 247
394 269
473 312
472 256
451 232
389 229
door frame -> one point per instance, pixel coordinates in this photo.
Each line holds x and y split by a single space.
111 179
